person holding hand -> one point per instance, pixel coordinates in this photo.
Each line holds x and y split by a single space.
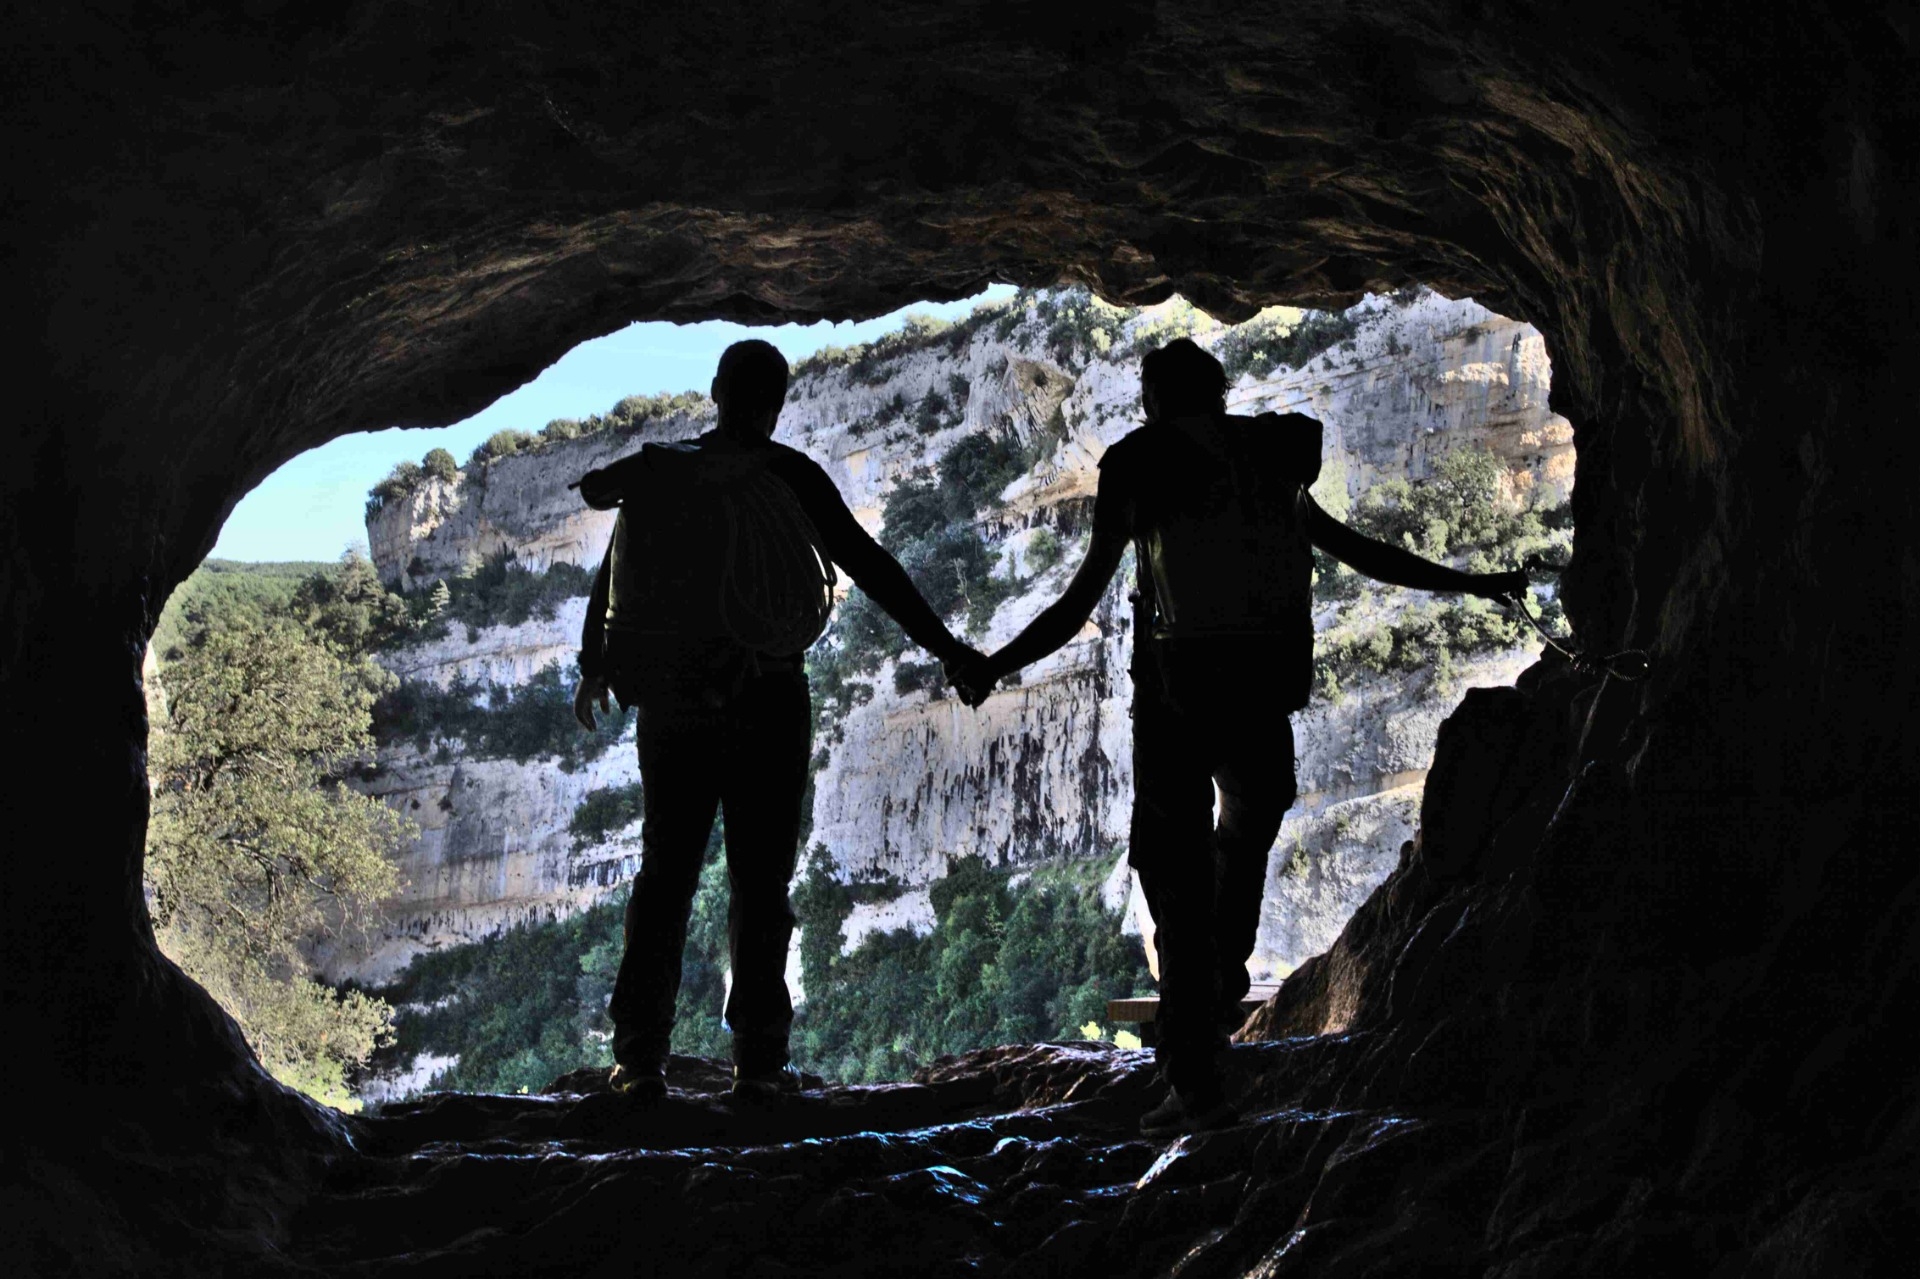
720 574
1223 528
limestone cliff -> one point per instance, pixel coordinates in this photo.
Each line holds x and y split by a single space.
1043 769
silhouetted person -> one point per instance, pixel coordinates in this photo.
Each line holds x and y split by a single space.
1223 529
718 577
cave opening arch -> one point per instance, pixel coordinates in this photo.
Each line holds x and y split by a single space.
516 824
405 259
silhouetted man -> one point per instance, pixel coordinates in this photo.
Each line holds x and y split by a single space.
1223 528
718 578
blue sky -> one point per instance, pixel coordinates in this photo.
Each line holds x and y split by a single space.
312 508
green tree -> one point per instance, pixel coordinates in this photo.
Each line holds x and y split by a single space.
350 608
503 443
225 593
440 464
255 846
1044 550
1002 964
522 1008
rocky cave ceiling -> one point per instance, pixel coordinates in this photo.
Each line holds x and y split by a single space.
231 237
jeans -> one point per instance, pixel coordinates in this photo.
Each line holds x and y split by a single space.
1206 714
713 736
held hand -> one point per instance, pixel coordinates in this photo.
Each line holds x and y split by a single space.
1501 586
592 689
968 671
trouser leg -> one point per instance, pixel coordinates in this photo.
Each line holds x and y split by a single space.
764 783
679 796
1256 785
1170 840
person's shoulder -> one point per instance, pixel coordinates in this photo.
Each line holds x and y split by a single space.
1271 419
1133 449
790 461
806 477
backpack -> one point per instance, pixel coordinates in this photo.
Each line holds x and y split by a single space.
1224 559
1221 532
710 542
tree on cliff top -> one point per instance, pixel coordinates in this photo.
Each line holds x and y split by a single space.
255 847
439 464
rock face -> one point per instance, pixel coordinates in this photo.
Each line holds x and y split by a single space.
1646 1009
1042 770
446 526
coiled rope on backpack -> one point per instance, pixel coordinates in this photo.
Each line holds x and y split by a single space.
777 591
1628 664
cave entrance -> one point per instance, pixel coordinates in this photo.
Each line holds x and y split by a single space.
967 438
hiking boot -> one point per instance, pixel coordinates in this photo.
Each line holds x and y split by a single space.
780 1081
641 1083
1177 1114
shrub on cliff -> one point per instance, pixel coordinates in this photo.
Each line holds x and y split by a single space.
1459 514
872 363
522 722
406 478
495 591
931 414
524 1007
1176 318
399 483
439 464
517 1009
975 470
500 444
633 410
928 525
1080 327
605 809
911 677
1002 964
1282 338
500 591
1044 550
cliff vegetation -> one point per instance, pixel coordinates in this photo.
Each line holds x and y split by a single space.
256 846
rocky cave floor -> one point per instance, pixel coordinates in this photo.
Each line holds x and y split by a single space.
1022 1159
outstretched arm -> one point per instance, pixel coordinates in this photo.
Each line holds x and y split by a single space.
606 487
1061 620
593 675
1397 567
868 564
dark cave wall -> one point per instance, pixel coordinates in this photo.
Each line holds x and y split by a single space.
237 238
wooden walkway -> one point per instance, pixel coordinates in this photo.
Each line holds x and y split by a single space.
1146 1010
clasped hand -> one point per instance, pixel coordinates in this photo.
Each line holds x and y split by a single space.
970 672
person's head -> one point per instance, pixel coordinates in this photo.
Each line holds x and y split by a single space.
750 386
1182 379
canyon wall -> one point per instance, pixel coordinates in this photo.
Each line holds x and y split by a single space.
910 778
